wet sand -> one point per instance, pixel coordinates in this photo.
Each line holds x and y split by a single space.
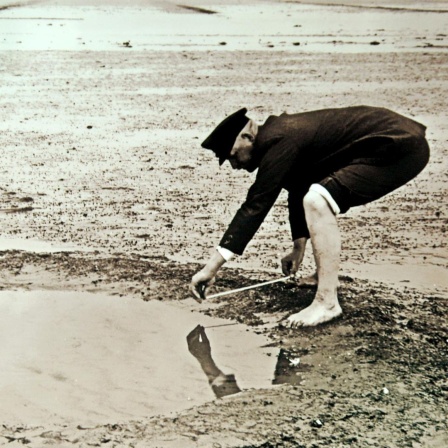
103 111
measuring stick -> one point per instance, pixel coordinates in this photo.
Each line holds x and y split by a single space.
222 325
234 291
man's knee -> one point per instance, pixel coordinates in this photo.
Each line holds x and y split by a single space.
315 204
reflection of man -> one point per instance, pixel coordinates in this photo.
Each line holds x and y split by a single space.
329 161
199 347
286 369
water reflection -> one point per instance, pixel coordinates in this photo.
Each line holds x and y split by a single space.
199 346
286 369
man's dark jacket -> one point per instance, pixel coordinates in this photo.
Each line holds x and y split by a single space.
294 151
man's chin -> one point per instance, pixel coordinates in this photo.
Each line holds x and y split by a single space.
251 168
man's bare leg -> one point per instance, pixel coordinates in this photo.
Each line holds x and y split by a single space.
308 281
326 242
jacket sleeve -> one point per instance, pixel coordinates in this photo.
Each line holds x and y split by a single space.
262 195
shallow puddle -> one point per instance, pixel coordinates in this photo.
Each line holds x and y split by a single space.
93 358
38 246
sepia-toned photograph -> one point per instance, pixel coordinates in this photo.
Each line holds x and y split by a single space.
224 223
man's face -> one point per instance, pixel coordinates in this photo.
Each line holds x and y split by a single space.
240 156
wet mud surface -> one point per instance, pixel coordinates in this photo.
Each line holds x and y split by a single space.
111 158
375 377
100 150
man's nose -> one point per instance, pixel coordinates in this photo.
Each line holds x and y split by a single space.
233 152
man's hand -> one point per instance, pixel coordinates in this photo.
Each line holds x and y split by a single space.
201 283
292 261
202 280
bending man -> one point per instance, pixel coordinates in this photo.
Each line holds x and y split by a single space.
329 161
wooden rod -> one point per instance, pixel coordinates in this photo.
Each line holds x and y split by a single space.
234 291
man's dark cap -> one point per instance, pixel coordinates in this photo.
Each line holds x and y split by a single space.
222 139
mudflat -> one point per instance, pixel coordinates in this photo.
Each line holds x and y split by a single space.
105 189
